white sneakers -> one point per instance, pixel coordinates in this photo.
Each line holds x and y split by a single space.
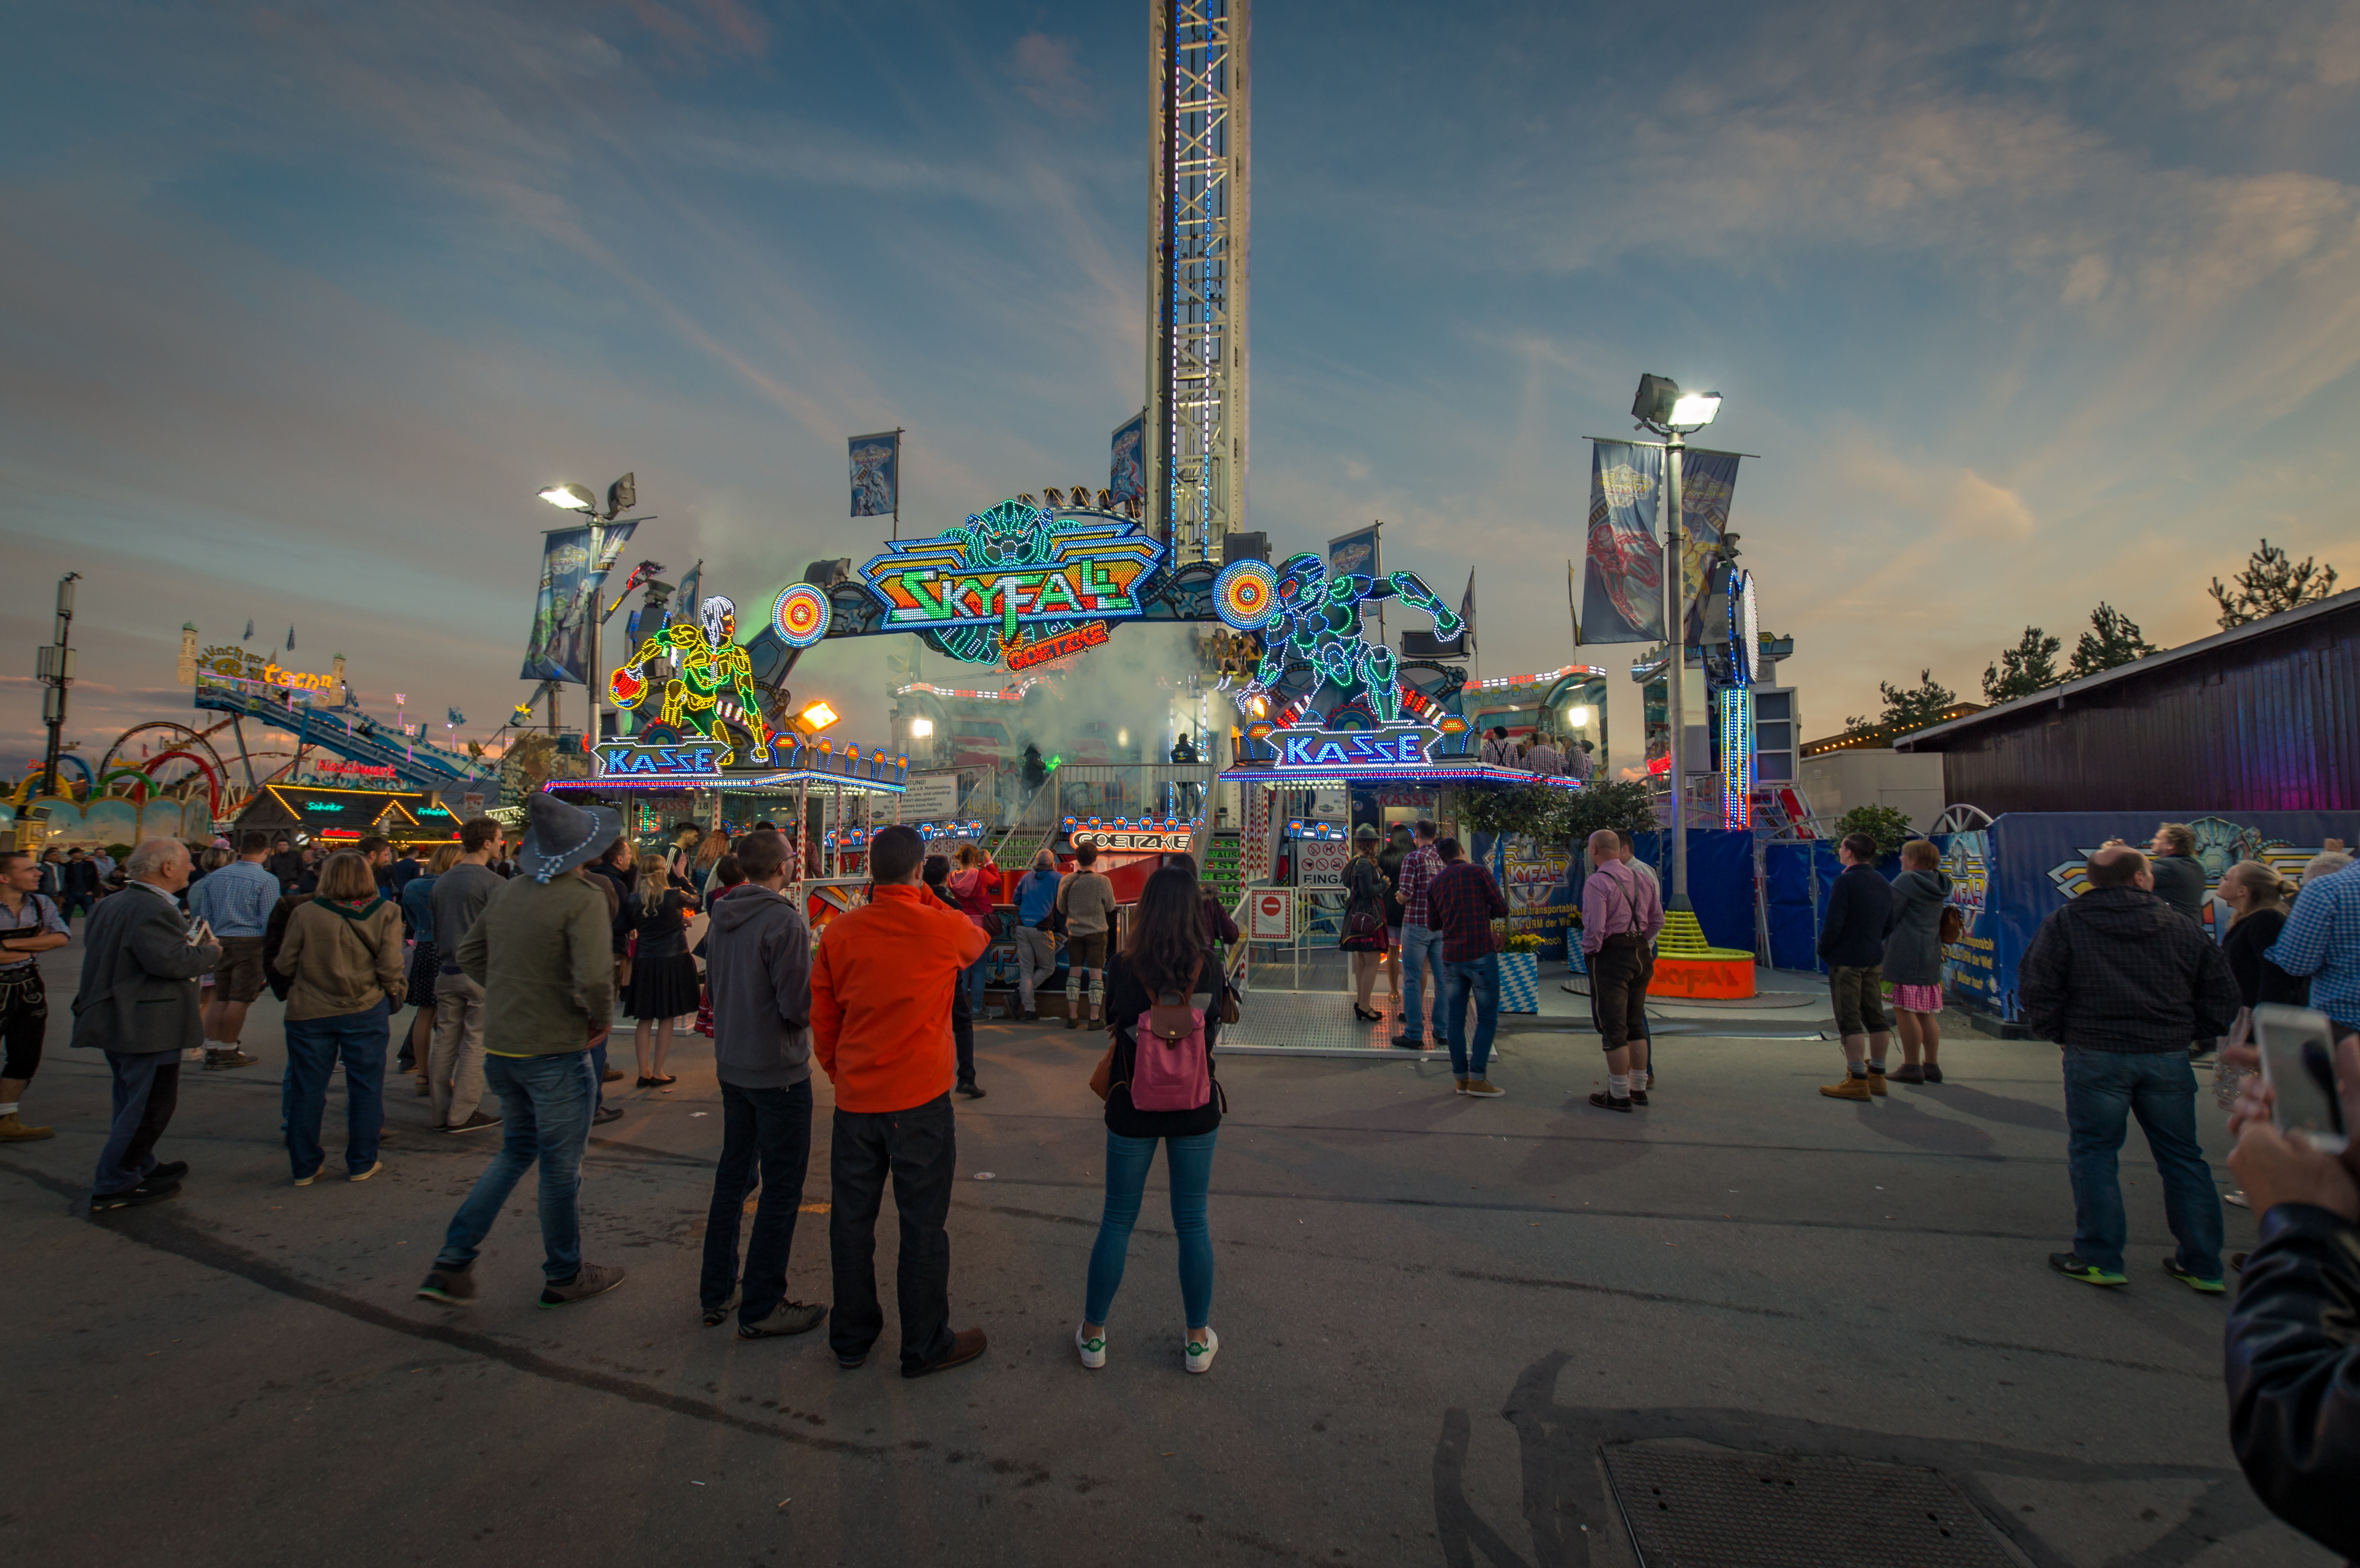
1199 1351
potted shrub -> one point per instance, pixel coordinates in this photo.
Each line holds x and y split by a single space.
1520 975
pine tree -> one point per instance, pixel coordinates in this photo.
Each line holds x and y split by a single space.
2113 638
1912 708
2029 667
2271 582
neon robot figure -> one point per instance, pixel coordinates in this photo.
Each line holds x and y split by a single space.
710 661
1317 622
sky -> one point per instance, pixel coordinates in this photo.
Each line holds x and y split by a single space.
2022 306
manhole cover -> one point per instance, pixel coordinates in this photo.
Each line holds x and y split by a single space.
1692 1505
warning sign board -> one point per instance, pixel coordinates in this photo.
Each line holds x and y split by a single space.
1270 916
1319 863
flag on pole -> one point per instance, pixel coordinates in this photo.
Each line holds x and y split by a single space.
1467 609
1623 590
877 475
1708 483
684 602
291 639
1126 472
249 629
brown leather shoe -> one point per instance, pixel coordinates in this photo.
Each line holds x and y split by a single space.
1852 1088
965 1347
1876 1084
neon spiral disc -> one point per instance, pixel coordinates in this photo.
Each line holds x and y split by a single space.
1245 594
799 615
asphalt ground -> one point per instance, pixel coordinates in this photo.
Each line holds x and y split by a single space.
1433 1312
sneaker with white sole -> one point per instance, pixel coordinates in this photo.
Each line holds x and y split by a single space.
1483 1089
1202 1351
375 1166
1093 1351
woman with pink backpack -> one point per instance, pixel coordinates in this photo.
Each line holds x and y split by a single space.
1163 996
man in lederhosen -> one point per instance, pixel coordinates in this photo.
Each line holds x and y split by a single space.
29 923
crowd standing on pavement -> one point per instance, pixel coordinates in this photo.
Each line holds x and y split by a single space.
516 968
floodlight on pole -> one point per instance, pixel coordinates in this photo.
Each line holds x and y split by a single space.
1672 414
818 716
572 497
921 728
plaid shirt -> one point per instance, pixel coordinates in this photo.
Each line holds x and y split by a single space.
1419 867
2118 969
1462 903
2322 939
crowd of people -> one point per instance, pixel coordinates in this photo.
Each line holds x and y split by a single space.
1538 752
520 968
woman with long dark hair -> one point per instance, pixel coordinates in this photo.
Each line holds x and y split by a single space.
1365 887
1167 962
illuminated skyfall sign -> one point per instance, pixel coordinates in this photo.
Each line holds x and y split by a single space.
1013 567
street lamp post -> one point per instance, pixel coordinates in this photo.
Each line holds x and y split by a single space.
55 669
622 493
1664 408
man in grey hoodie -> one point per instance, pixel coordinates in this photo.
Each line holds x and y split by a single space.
758 967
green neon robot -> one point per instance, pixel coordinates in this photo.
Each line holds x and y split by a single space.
710 663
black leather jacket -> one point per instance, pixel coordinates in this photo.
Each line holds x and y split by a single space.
2293 1355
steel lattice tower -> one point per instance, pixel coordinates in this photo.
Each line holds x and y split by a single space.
1198 260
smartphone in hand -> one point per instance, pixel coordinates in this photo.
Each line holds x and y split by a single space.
2298 1049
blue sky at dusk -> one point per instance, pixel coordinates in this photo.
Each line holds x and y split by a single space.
2023 306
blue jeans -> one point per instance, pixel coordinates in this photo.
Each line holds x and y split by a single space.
1480 976
1420 946
2103 1089
312 1047
971 977
768 1129
545 1102
1190 1164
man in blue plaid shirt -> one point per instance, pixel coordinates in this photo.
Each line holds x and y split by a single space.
2322 939
1421 943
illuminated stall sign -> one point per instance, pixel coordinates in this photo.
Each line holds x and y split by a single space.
975 587
1040 651
688 764
1353 751
1149 835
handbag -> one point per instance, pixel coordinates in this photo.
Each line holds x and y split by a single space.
1102 1076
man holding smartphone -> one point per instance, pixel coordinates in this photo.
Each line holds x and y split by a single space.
2122 983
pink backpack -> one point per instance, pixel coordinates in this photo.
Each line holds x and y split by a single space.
1169 1068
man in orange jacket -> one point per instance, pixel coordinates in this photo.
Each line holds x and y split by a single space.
881 985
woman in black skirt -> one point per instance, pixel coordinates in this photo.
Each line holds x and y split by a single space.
663 984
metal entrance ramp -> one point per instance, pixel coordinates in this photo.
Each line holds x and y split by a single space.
1316 1023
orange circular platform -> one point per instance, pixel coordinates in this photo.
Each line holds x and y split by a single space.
1724 975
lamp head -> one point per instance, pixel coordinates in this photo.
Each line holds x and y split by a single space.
1661 406
572 497
818 716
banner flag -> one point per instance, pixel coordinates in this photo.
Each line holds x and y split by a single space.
1708 480
685 601
1622 584
564 560
1355 554
570 583
877 475
1127 476
1466 611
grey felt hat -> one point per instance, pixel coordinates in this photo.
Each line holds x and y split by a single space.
559 835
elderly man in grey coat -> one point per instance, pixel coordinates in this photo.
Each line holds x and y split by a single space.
139 1004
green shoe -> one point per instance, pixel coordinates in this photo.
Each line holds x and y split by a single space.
2073 1268
2194 1281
